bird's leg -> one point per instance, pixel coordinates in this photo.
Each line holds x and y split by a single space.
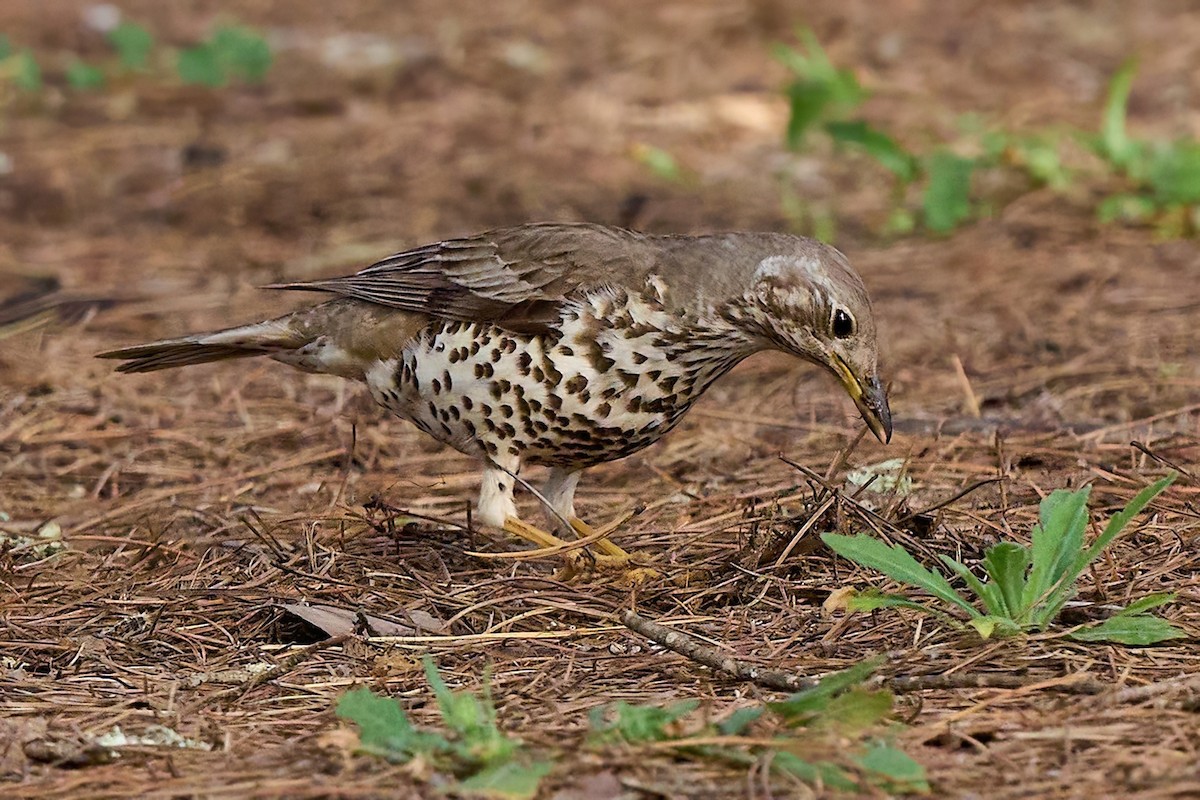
559 492
497 508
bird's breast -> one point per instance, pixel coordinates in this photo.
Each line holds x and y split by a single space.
615 374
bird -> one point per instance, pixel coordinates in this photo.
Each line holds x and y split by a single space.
565 345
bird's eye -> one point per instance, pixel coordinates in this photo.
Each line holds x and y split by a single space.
843 324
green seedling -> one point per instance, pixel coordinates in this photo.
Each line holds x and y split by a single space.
828 736
1164 177
19 67
133 44
483 759
1025 587
819 90
661 164
231 52
84 77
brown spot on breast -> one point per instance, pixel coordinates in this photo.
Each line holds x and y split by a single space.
576 385
603 409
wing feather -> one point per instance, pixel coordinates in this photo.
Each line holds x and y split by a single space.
515 277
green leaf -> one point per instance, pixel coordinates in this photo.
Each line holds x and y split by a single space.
807 103
901 773
1174 174
1126 208
737 722
243 52
6 48
822 772
989 595
876 144
1136 629
1115 144
799 707
992 625
857 709
200 65
947 200
870 600
1041 159
508 781
1146 603
661 163
383 726
634 724
1082 558
897 563
1006 564
84 77
25 72
479 740
1057 540
132 43
820 88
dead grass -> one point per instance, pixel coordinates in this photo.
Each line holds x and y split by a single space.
195 505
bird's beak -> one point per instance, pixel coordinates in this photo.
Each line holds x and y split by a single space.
870 397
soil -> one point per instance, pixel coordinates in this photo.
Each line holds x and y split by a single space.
1032 347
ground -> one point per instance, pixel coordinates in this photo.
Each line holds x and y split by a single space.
1031 347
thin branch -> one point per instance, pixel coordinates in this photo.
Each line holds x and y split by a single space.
691 648
279 670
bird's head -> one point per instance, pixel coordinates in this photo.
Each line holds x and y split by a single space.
809 301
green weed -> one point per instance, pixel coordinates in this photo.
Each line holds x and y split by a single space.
828 736
472 747
1026 587
230 53
1161 179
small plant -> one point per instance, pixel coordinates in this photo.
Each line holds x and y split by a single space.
824 96
473 748
827 736
1164 177
230 53
133 44
19 67
1026 587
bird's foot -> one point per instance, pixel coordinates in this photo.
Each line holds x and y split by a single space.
628 569
591 555
621 571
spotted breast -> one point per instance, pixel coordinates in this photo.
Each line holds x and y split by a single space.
617 373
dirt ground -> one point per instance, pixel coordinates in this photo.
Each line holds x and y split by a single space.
194 504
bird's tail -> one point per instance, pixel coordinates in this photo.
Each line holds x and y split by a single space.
271 338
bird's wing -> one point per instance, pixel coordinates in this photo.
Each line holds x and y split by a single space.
514 277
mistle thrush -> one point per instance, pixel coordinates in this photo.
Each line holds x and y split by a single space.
566 345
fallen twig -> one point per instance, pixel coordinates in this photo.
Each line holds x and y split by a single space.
686 646
282 668
691 648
